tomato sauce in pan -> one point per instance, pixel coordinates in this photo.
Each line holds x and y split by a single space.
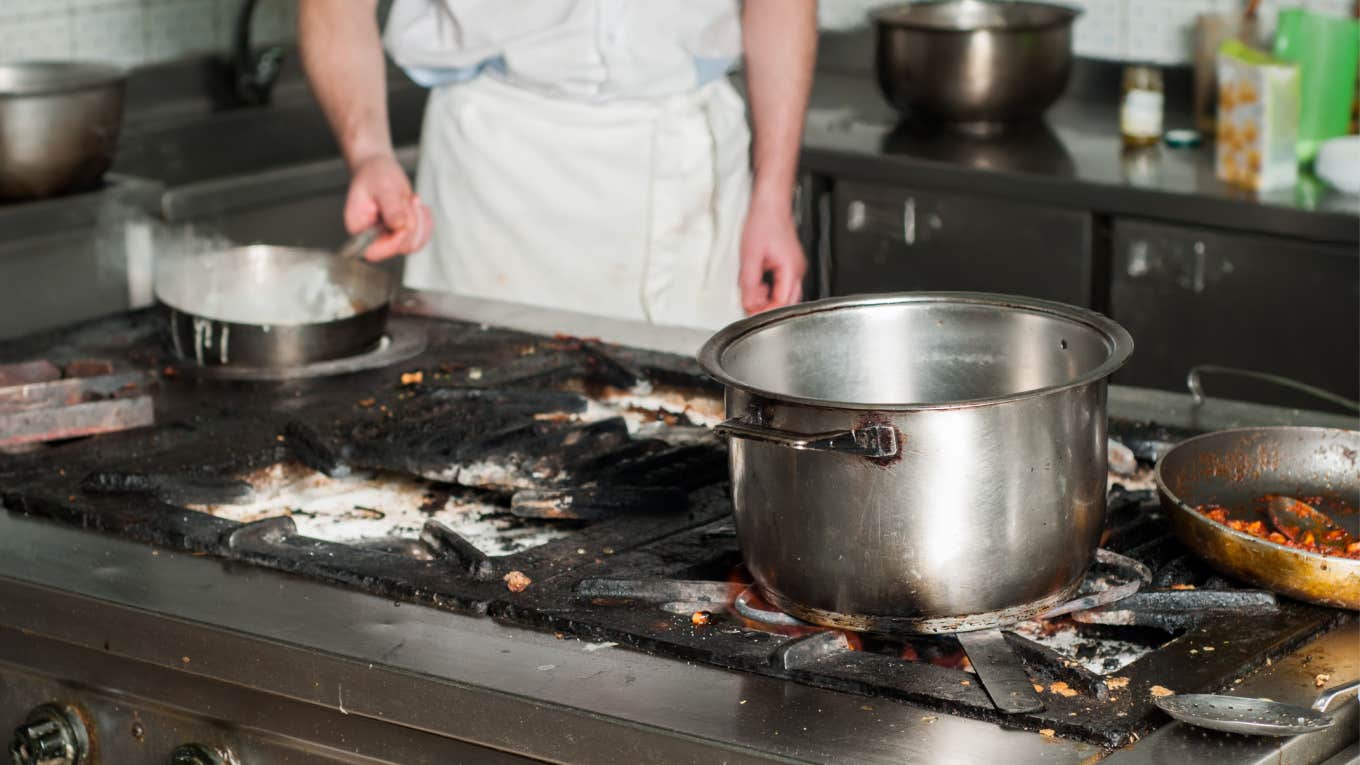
1253 519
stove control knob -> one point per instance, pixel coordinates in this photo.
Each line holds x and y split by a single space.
53 734
202 754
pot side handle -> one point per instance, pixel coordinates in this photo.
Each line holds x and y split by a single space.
876 441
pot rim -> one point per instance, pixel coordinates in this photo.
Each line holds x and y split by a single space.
71 76
1117 339
894 16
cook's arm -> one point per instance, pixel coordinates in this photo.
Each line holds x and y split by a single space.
343 57
780 40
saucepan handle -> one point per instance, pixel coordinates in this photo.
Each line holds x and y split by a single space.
1328 695
1196 386
877 441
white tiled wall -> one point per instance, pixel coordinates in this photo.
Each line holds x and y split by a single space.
1158 31
132 31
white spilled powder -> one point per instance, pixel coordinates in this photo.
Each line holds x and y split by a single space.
1099 655
303 293
369 506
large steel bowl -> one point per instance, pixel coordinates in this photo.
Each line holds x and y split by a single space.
59 124
975 65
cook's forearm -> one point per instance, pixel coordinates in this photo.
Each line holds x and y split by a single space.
342 54
780 39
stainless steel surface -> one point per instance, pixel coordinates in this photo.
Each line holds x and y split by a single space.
1254 717
403 340
973 64
52 734
1234 468
301 660
1292 680
1000 671
189 285
1194 382
59 125
990 507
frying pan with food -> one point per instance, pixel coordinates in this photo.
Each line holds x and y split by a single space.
1237 469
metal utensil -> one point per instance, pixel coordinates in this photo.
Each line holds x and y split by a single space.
207 328
974 65
1234 468
918 462
355 246
1253 717
1299 520
59 124
1001 673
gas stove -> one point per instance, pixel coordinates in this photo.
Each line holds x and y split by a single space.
570 487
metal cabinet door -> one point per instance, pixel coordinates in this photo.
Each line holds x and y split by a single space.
888 239
1192 296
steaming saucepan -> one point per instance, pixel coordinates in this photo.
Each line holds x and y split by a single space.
266 306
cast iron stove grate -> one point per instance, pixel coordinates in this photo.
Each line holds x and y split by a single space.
498 414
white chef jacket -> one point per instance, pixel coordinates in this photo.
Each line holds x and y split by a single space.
588 155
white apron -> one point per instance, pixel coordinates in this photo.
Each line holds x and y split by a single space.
629 209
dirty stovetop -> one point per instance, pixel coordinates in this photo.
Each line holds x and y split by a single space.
567 485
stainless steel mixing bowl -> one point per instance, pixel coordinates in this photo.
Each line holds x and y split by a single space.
59 124
971 64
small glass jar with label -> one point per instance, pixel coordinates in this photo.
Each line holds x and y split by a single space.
1140 110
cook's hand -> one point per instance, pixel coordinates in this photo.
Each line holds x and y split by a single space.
769 244
380 191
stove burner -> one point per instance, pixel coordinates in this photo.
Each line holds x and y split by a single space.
404 340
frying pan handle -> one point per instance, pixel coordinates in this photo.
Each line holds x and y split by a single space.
1330 694
876 441
1193 382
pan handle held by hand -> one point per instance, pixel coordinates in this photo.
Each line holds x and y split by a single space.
1196 385
875 441
356 245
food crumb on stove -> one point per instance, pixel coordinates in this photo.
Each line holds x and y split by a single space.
1062 689
743 701
184 659
699 618
1114 683
929 718
1321 679
1208 648
965 682
866 707
560 635
607 550
580 551
1038 688
279 437
516 581
1182 586
1048 732
1161 691
475 373
412 378
367 402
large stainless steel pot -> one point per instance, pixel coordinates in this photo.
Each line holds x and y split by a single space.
59 124
975 65
918 462
261 306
